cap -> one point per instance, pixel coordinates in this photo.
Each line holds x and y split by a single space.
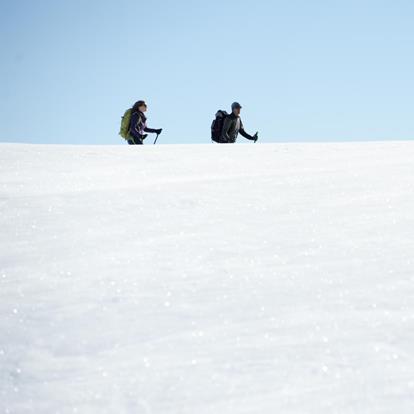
235 105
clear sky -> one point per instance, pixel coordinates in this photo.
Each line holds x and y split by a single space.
303 70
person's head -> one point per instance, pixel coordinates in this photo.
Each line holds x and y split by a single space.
140 106
236 108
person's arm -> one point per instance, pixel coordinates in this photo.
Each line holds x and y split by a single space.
244 134
153 131
226 127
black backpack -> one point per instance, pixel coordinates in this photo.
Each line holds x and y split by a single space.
217 126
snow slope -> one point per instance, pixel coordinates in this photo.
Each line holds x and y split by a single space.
207 279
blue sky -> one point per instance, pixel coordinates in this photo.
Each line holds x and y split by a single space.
303 70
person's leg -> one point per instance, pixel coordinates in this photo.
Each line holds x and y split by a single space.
135 141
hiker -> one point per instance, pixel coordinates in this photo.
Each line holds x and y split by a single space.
138 125
231 126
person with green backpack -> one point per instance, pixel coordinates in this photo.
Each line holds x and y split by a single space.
134 125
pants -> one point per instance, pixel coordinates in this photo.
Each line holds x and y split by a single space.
135 141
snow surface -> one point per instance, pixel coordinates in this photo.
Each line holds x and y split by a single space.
207 279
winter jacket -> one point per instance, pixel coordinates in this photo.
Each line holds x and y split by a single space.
231 128
139 126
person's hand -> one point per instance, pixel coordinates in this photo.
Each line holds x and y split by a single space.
158 131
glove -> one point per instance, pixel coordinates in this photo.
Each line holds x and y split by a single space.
158 131
256 137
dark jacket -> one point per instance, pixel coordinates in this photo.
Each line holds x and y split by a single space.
231 128
139 126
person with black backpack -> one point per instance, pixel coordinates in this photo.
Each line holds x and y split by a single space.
138 125
226 127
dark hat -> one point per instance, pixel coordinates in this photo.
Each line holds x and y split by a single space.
235 105
140 103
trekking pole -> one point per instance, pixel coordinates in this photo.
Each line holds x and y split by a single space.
156 139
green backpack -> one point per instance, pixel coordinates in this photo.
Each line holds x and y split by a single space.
126 124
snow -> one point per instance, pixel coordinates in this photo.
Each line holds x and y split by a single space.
207 279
